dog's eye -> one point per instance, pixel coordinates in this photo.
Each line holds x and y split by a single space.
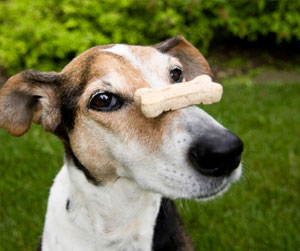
176 75
104 102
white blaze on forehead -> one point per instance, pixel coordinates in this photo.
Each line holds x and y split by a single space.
153 65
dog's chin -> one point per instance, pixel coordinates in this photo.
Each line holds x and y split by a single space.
220 190
217 193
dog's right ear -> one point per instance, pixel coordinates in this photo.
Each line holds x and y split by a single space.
194 64
30 96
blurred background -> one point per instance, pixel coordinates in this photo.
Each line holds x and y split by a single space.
253 49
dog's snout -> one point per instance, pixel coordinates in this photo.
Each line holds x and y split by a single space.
216 155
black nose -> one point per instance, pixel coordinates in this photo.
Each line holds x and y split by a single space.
216 154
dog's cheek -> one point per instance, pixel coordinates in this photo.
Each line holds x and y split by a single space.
87 143
129 124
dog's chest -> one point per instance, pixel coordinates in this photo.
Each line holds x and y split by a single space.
117 218
126 229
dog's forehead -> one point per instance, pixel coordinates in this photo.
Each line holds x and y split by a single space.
152 65
123 66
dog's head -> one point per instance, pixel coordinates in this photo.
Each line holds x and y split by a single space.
89 106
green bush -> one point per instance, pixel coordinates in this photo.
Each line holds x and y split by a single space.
46 34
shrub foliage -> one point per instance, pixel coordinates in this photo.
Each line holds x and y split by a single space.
45 34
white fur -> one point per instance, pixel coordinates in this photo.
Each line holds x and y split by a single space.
118 216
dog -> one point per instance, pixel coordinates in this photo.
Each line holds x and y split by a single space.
121 170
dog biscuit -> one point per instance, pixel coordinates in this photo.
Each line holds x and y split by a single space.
200 90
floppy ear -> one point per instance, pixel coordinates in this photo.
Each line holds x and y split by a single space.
29 96
194 64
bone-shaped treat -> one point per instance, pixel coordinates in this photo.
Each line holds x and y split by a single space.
200 90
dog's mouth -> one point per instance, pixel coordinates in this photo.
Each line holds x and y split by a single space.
190 184
220 185
217 192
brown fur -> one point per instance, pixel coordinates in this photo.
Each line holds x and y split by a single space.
23 100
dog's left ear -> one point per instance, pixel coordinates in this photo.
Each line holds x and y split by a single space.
30 96
194 64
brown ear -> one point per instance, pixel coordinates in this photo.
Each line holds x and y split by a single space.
29 96
194 64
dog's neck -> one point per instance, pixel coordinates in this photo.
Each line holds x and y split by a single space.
88 217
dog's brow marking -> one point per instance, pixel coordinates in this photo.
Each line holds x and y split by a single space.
115 79
107 83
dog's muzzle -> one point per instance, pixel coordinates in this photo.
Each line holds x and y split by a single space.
216 154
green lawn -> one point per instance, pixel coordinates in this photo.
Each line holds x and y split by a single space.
261 212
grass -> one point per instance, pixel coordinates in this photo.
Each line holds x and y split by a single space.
261 212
